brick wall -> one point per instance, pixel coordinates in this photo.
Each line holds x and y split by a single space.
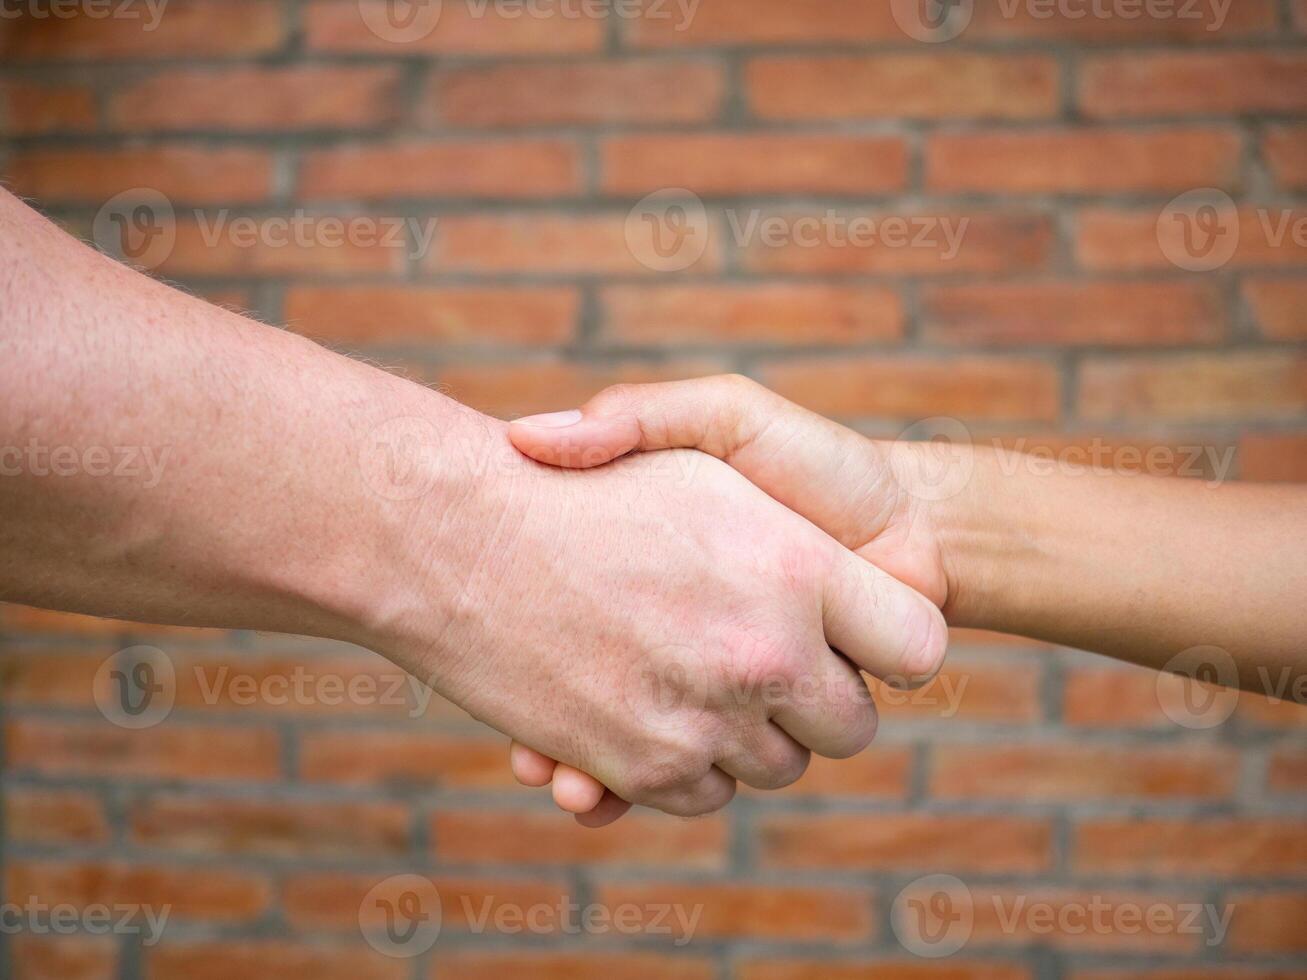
992 226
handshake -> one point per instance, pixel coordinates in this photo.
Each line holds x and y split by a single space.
665 639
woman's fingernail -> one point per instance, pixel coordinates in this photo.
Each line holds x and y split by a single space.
552 420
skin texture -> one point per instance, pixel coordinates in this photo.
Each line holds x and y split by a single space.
1140 568
661 623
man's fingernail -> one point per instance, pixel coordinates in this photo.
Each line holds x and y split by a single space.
552 420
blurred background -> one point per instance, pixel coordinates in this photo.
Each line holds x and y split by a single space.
1076 228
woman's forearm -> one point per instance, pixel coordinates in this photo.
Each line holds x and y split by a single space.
1137 567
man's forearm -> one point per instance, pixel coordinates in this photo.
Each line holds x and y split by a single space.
1133 566
196 467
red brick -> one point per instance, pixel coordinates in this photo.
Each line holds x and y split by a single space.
543 244
773 913
757 22
1130 697
445 315
1281 458
1194 83
1129 313
1194 387
952 968
499 168
577 93
168 751
899 86
403 758
43 957
1193 972
919 387
1070 22
208 893
1074 772
1132 240
270 828
731 164
1241 848
1267 923
331 900
186 29
1082 161
906 842
1287 772
251 98
513 390
461 964
1279 306
968 690
872 242
53 816
1285 150
284 960
185 174
463 28
756 313
523 838
31 108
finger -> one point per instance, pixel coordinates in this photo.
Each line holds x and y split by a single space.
782 448
576 791
884 627
529 766
830 709
610 808
765 757
682 795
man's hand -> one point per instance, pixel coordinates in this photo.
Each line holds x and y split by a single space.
857 490
664 625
